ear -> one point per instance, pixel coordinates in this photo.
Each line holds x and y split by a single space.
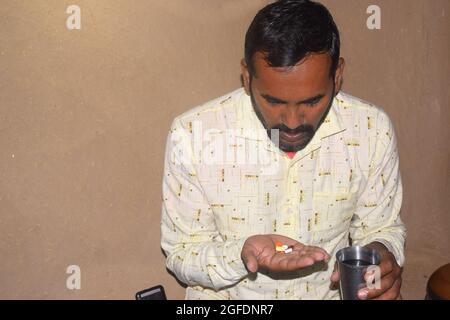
339 76
245 76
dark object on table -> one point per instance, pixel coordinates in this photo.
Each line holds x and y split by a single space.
438 287
153 293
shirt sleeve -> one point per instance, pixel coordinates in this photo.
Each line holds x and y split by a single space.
196 252
377 216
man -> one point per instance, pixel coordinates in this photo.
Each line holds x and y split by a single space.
323 172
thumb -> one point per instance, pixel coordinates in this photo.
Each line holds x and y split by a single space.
335 275
250 261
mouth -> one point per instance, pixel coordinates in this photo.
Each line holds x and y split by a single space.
292 137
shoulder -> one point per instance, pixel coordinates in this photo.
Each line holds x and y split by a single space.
369 132
212 114
362 115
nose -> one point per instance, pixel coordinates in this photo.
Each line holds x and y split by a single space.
292 116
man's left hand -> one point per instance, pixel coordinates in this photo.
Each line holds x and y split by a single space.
391 277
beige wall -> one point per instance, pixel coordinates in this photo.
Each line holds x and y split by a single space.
84 116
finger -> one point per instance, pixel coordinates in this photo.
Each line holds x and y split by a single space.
296 260
293 243
386 283
319 250
387 264
301 262
335 275
250 261
318 254
298 247
290 263
393 293
312 255
301 257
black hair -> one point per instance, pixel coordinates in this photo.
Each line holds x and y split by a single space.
287 31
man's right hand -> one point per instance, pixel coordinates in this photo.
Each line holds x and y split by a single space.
259 252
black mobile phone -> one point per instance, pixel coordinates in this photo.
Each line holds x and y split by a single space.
153 293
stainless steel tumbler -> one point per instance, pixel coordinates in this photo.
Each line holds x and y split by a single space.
352 265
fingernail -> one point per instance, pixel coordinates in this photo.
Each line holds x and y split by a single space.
362 294
369 275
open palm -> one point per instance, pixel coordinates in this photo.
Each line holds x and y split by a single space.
259 252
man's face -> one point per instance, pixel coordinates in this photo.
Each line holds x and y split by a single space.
294 100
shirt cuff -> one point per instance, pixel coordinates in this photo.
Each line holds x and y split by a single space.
398 254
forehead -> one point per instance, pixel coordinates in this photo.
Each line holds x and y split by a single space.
309 77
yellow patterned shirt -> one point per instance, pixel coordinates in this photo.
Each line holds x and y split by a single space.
225 180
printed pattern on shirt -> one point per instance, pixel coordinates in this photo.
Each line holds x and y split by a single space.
224 182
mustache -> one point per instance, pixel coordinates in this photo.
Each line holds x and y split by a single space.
304 128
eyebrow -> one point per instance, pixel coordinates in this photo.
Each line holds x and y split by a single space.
271 99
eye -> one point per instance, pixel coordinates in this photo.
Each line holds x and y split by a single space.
313 102
273 103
